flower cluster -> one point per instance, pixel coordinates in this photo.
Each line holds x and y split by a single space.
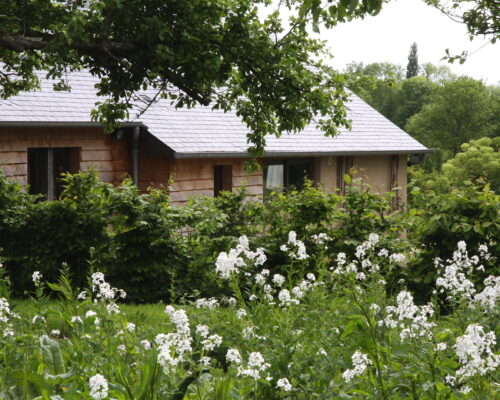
173 347
103 290
37 278
209 342
210 303
254 367
362 266
474 351
321 239
284 385
411 319
5 315
360 362
489 297
454 277
228 264
295 248
98 387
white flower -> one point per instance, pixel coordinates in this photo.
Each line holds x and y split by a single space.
311 277
76 318
300 248
320 238
131 327
383 253
90 313
205 361
210 304
37 277
212 342
98 387
488 298
284 297
360 362
413 320
321 351
284 385
361 276
113 308
297 292
254 367
82 295
441 347
202 330
241 313
373 238
55 332
260 279
397 258
145 344
233 356
465 389
278 279
375 308
474 351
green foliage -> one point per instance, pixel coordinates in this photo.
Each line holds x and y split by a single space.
412 69
441 215
403 350
44 235
457 112
478 163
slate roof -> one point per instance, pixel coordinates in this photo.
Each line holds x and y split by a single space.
203 132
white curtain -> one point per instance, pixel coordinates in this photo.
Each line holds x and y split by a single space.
274 177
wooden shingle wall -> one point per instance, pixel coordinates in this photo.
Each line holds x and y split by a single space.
105 154
195 177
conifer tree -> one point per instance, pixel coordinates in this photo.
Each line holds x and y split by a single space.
412 67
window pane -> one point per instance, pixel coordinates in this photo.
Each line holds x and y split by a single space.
37 171
298 171
223 179
274 178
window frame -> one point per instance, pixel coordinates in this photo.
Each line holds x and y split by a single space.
66 159
287 163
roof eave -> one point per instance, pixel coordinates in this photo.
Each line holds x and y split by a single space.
276 154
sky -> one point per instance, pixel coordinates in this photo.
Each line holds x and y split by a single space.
389 35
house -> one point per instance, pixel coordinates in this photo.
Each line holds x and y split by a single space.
47 132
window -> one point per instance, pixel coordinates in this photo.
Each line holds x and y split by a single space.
223 179
45 166
282 174
344 165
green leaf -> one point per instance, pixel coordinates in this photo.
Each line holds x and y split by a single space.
52 356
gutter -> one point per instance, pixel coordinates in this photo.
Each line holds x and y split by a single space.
48 124
282 154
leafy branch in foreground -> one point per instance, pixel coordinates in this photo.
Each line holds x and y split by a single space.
219 53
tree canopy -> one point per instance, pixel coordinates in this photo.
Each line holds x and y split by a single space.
221 53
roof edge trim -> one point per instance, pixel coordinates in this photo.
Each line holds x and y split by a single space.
299 154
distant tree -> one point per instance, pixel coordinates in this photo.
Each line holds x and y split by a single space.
377 84
412 68
412 95
457 112
438 73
